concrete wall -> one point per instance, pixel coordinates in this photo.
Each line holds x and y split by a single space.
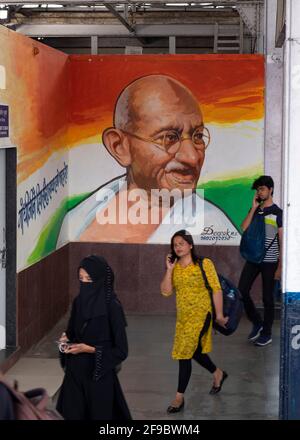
273 102
41 303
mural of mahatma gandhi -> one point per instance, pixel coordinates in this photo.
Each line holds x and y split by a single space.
159 137
158 134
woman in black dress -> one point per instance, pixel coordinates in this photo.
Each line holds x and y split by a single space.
96 331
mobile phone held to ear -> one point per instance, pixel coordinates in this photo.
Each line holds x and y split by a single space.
258 199
172 258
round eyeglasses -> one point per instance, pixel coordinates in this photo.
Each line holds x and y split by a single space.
170 140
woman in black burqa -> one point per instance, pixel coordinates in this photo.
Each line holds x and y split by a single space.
96 329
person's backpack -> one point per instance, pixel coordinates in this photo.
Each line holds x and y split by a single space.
252 246
31 404
232 302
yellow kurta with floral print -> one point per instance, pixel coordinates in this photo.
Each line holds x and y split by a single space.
193 303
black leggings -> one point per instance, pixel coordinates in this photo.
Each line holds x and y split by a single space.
185 365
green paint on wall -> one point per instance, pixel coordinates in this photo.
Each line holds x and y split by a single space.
233 197
49 235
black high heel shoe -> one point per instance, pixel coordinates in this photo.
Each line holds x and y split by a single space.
175 409
215 390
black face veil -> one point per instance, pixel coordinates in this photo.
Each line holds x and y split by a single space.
94 297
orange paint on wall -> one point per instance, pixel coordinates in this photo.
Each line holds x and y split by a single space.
230 88
37 92
57 101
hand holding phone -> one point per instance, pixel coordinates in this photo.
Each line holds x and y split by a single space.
64 337
171 259
63 345
256 201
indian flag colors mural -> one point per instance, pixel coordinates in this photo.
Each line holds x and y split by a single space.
91 129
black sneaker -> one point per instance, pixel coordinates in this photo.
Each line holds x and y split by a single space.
263 340
254 334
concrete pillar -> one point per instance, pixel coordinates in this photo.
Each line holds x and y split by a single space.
241 35
94 45
290 337
260 17
172 45
273 101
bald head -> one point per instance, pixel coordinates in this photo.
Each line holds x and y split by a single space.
147 114
149 98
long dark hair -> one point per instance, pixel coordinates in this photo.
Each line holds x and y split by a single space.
189 239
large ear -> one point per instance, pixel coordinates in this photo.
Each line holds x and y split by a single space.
117 145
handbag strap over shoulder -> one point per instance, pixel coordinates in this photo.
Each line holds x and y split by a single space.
276 237
207 285
269 246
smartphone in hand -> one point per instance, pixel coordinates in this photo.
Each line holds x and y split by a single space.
62 346
172 258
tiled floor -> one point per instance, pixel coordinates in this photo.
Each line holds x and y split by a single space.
149 375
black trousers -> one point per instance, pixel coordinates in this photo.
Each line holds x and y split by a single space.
185 365
248 276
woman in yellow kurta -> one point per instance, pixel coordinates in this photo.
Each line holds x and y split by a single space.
193 335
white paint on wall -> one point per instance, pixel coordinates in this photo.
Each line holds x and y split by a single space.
232 148
29 238
90 166
2 77
235 150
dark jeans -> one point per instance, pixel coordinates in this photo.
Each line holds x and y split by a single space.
185 365
248 276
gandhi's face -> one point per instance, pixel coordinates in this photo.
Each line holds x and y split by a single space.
156 113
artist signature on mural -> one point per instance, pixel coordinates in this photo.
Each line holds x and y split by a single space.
209 234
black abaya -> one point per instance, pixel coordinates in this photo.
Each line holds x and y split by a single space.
91 389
